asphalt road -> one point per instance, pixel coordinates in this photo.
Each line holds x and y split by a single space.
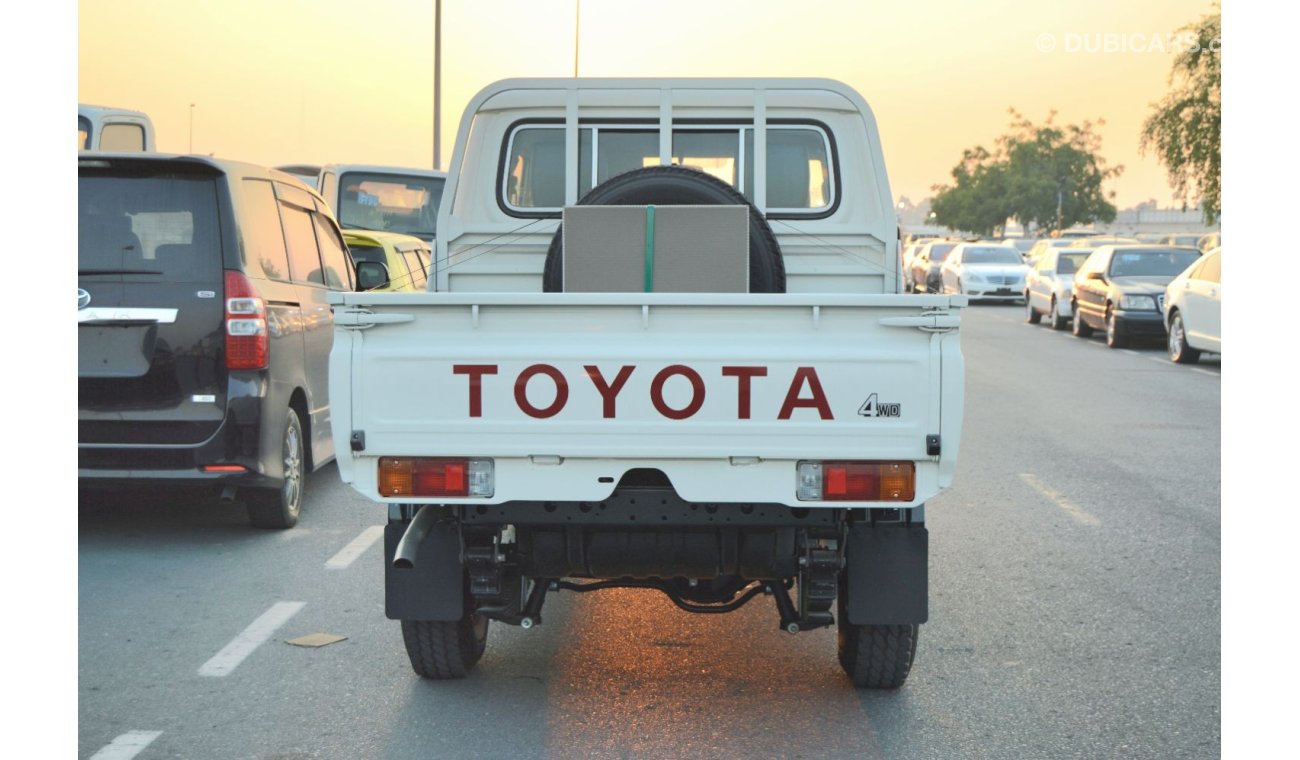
1075 609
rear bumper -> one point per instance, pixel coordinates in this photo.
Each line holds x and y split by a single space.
175 477
238 440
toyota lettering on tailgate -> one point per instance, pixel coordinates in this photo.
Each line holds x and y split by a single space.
804 389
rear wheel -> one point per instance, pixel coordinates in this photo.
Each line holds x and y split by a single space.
280 507
443 650
1179 351
874 656
1031 314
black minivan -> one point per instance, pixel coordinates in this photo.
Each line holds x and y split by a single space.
203 332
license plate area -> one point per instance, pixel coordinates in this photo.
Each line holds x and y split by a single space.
117 350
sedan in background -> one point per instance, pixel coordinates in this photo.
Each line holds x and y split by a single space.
984 272
1049 286
925 267
1120 289
1193 308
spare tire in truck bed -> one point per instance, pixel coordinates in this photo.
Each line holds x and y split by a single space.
678 186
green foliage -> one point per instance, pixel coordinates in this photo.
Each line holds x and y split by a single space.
1184 129
1044 176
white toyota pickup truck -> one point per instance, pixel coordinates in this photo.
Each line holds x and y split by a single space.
666 348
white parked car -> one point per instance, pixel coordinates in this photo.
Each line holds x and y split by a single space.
1049 286
984 271
1193 305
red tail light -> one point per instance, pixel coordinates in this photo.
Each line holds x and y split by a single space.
857 481
247 343
429 476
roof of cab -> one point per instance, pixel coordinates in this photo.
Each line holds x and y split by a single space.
89 109
377 169
528 92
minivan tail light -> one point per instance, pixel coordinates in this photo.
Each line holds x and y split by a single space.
425 476
856 481
247 340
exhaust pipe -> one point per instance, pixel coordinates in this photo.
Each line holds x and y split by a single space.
227 494
404 555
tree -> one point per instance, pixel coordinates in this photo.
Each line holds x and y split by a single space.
1184 130
975 203
1042 175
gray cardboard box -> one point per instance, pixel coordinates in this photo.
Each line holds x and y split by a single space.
696 249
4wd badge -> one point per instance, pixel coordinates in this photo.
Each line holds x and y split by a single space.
874 408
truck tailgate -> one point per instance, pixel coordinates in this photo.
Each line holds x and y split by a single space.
723 393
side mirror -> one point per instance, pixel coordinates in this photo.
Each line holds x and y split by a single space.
1097 276
372 275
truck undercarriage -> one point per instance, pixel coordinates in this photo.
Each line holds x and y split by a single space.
455 567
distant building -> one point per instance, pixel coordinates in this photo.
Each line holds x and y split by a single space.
915 219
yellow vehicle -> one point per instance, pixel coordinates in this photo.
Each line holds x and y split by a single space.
407 258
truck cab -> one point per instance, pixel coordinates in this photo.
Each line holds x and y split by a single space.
114 129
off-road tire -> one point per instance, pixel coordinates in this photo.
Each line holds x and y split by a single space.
442 650
680 186
874 656
279 508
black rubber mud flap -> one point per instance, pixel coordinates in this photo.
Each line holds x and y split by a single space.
435 588
888 574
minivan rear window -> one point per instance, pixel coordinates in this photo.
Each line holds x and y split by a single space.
160 227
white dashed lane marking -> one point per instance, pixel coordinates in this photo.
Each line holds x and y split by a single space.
250 639
126 746
348 554
1078 514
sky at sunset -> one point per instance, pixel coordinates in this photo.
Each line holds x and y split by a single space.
290 81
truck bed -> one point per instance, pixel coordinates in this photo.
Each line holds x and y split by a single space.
724 395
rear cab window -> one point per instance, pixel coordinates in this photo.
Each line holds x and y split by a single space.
801 179
121 137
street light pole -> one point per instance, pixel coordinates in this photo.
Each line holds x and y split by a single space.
191 150
577 33
437 84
